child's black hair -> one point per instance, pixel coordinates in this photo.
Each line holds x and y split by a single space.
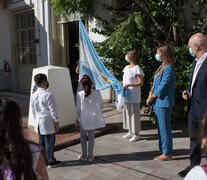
40 78
86 84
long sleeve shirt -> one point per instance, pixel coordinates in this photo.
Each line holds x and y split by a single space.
44 111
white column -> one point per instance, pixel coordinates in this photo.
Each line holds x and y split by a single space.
43 32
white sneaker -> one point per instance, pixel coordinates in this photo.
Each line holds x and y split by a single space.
134 138
80 157
128 135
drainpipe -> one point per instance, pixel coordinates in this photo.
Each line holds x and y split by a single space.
48 28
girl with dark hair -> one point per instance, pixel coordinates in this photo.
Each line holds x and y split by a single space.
19 159
162 98
88 116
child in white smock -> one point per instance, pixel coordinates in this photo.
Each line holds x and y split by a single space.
88 116
132 80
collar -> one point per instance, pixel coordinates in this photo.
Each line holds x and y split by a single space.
41 89
202 59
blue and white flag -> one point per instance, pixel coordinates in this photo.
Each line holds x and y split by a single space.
91 65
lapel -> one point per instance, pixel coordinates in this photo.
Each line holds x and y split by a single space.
200 70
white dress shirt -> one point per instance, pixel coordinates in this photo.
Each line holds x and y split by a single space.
197 67
88 110
44 110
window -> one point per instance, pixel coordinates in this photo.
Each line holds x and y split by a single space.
25 29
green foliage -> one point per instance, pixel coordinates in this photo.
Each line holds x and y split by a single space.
68 7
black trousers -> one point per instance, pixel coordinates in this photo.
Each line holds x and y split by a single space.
194 129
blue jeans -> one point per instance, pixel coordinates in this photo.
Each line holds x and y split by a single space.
48 142
163 120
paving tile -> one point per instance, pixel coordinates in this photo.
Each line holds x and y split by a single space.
75 175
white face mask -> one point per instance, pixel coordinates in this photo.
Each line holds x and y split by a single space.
126 58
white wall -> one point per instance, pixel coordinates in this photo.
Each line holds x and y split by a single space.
5 48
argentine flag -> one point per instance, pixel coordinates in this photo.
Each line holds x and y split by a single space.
91 65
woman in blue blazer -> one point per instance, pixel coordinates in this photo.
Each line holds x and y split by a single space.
162 98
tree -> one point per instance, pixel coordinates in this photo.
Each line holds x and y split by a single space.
144 24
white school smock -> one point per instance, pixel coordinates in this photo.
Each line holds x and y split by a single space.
44 110
88 110
129 77
196 173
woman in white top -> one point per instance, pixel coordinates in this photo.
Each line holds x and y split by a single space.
132 80
88 110
200 172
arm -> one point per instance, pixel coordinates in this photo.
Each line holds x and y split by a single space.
139 82
53 111
77 123
33 109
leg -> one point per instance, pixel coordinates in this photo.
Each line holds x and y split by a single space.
41 139
158 128
90 143
135 118
164 118
83 139
49 143
126 117
195 141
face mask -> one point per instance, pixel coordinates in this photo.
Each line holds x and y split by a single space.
191 52
157 57
126 58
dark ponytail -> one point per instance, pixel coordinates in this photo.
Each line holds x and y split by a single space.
86 84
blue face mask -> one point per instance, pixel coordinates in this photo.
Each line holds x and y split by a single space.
157 57
191 53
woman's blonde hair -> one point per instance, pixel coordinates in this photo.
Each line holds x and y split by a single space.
133 56
166 57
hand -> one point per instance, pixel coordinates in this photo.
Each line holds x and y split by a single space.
56 127
148 102
126 86
185 95
77 125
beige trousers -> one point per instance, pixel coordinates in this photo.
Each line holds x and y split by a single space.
131 117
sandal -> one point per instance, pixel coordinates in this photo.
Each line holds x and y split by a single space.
163 157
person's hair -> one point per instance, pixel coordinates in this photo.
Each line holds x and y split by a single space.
14 149
166 57
133 56
86 84
39 79
200 40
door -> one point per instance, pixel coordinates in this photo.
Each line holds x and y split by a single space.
26 49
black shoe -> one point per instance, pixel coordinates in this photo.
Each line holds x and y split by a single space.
185 171
53 164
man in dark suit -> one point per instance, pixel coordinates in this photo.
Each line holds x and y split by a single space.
197 96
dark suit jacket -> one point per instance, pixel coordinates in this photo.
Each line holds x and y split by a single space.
198 101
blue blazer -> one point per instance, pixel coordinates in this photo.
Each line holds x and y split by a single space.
163 88
198 100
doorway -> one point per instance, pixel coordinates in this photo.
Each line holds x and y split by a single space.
72 55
